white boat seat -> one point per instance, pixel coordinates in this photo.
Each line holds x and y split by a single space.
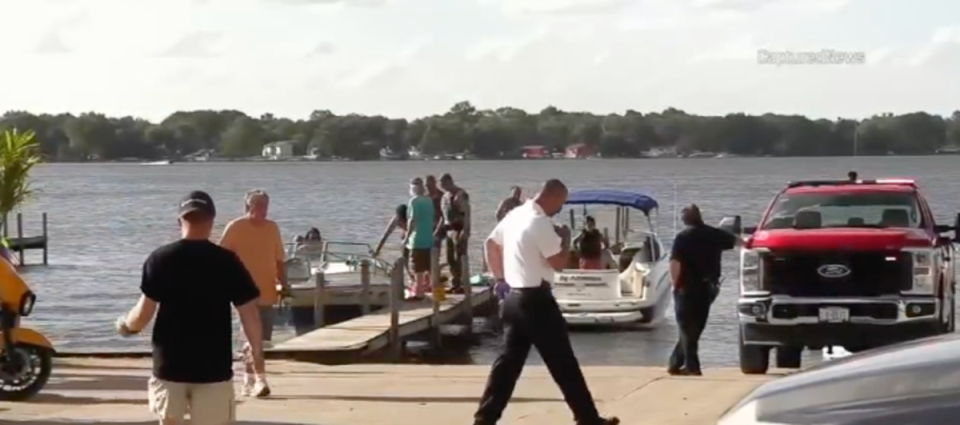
310 249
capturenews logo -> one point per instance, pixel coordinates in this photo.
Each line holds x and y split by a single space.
822 57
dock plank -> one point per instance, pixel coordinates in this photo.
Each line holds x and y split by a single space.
370 332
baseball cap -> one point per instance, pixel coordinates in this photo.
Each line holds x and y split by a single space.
197 200
416 181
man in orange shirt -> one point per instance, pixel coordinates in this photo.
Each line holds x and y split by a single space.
257 241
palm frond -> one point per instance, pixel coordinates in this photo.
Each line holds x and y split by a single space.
19 153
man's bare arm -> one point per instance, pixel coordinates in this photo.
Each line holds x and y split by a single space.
386 234
226 240
141 314
494 254
252 328
675 270
560 260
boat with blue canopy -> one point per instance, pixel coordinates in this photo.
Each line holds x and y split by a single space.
633 284
620 198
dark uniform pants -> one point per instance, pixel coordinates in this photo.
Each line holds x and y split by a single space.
692 311
456 250
532 318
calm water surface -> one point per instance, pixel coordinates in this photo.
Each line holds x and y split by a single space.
104 219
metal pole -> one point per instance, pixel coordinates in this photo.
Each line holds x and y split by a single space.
365 286
318 299
397 276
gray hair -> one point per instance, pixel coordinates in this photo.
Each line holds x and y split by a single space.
255 194
418 189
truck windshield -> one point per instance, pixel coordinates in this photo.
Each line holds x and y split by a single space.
852 209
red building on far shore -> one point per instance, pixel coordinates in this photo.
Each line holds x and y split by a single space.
535 152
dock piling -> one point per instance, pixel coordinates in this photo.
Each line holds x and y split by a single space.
438 291
20 235
45 239
365 286
318 299
397 274
467 291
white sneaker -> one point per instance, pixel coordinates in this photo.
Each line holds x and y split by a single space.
260 389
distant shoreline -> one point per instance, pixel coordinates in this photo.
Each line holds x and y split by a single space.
304 160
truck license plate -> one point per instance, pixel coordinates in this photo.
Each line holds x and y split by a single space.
834 314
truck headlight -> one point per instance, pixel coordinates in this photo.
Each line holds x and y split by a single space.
924 270
750 271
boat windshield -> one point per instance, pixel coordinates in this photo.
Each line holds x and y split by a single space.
851 209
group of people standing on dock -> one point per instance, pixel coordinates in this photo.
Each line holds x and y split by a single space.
190 287
436 214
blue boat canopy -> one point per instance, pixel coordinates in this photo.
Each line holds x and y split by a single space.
613 197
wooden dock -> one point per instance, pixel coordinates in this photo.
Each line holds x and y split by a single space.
376 330
20 244
371 333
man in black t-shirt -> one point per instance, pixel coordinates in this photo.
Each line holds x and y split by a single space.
695 270
191 285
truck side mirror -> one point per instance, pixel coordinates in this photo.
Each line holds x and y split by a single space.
732 224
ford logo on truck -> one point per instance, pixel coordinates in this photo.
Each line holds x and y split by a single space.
833 271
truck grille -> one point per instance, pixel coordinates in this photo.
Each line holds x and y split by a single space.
871 273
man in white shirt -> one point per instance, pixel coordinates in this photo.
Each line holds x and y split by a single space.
525 250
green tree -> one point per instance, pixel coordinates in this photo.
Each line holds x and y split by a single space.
19 152
485 133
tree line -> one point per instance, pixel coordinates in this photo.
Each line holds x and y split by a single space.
485 134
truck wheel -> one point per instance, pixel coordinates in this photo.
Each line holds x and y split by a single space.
789 357
754 359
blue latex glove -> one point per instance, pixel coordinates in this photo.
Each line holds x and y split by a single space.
501 289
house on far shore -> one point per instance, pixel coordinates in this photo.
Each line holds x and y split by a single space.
535 152
577 151
278 150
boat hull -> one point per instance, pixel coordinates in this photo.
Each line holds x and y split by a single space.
639 295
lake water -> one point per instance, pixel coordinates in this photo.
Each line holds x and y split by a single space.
104 219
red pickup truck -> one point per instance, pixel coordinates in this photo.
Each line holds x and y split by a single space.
851 263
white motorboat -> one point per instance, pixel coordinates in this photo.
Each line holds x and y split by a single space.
341 264
635 288
334 259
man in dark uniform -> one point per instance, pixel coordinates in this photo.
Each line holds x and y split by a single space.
456 227
509 203
695 270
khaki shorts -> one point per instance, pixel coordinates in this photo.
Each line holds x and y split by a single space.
207 404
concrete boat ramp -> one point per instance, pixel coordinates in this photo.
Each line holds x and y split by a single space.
113 391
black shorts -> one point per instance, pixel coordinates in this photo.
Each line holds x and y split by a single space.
420 260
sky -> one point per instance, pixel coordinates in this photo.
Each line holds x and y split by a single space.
410 58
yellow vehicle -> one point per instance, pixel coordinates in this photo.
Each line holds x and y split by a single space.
26 356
